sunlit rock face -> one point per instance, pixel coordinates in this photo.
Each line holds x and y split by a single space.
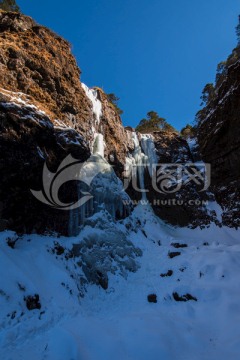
47 115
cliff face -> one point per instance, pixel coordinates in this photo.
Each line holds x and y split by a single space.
219 140
37 62
28 139
45 116
118 143
187 205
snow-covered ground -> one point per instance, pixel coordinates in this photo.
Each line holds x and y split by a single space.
120 323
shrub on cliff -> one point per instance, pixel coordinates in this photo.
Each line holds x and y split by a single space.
154 122
9 5
188 131
238 31
113 99
210 91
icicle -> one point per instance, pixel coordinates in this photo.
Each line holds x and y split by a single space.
97 105
98 145
140 160
144 155
73 224
149 150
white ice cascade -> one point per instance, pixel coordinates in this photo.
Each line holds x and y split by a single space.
149 149
97 142
136 164
99 179
98 145
92 94
144 156
105 188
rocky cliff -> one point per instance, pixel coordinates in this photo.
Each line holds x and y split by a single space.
47 115
187 205
38 63
28 139
219 139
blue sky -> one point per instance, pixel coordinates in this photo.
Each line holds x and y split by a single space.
153 54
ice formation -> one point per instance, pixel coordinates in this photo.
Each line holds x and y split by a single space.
98 178
141 161
98 145
106 190
97 142
149 150
97 105
144 156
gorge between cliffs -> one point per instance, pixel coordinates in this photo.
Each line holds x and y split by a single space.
114 243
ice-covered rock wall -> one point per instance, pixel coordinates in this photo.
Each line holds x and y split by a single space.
106 190
142 158
98 177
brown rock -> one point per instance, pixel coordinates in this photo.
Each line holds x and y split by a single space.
27 140
175 207
219 140
37 62
38 69
118 140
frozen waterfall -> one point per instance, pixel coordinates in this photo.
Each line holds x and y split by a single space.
149 150
144 156
136 164
99 180
97 105
98 145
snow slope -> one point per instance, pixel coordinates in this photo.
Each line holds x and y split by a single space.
119 323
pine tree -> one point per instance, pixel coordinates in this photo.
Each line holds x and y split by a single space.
113 99
9 5
207 94
221 71
154 122
238 31
188 131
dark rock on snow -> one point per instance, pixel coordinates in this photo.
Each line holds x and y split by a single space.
32 302
152 298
